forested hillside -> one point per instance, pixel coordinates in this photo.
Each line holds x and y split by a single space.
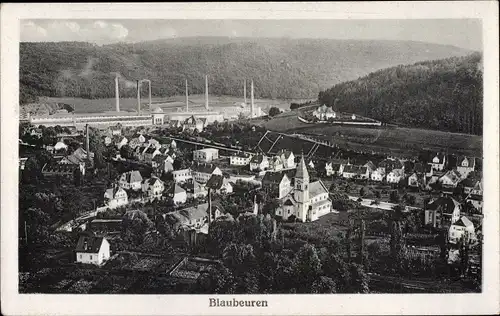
442 94
280 68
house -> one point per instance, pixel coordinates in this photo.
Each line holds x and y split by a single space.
161 163
130 180
334 167
134 142
115 130
388 164
115 197
206 155
78 157
120 141
36 132
462 228
438 162
278 184
153 187
150 153
451 178
66 171
182 175
194 217
203 172
324 113
239 159
178 194
287 158
476 201
352 171
92 250
416 180
473 186
371 167
169 153
170 144
197 190
106 225
378 175
22 162
108 140
259 163
219 184
308 200
395 176
193 124
442 212
310 164
275 163
429 171
60 146
466 165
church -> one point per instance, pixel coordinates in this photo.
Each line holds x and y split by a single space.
306 201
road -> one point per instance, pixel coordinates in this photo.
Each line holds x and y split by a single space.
382 205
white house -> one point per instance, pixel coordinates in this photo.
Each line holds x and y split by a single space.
352 171
395 176
451 178
199 190
416 180
462 228
130 180
206 155
287 158
192 124
92 250
178 194
259 163
219 184
275 164
278 184
120 141
239 159
442 211
438 162
150 153
153 187
466 165
60 145
323 113
115 197
203 172
182 175
334 168
378 175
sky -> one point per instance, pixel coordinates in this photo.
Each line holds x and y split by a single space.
464 33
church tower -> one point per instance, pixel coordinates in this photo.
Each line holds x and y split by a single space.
301 191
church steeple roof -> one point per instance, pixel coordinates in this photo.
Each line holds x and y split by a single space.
302 169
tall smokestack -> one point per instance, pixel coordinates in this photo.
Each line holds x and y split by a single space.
87 141
117 94
138 96
251 100
245 91
187 97
206 92
149 81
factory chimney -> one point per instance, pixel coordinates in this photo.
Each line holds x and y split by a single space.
149 81
138 96
251 100
206 92
245 91
117 94
187 97
87 141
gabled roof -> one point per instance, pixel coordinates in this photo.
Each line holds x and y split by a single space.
453 175
203 168
390 164
215 182
471 161
440 157
159 158
277 177
316 188
355 169
151 181
176 189
241 154
132 176
198 187
285 153
257 159
447 204
418 167
89 244
111 192
370 165
150 150
465 222
59 168
397 172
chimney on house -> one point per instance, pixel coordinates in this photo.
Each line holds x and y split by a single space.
251 100
117 94
206 92
138 96
245 91
187 97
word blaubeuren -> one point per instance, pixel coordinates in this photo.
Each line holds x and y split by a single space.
215 302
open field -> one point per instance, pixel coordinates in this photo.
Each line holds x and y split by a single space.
397 140
169 104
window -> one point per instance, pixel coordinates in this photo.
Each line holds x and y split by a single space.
81 256
90 257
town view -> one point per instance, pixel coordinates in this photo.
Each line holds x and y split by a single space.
239 165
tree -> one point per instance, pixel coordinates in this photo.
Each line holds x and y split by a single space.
273 111
359 279
324 285
362 192
307 267
394 196
397 239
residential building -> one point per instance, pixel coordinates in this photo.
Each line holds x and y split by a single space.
462 228
153 187
115 197
473 186
239 159
395 176
115 130
203 172
288 158
334 167
416 180
438 162
170 144
130 180
278 184
451 178
60 146
150 153
182 175
206 155
476 201
357 172
220 184
377 175
387 165
194 217
307 201
193 124
197 190
120 141
371 167
92 250
466 165
275 164
178 194
324 113
442 212
64 171
259 163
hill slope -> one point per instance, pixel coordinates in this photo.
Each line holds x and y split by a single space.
280 68
443 94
